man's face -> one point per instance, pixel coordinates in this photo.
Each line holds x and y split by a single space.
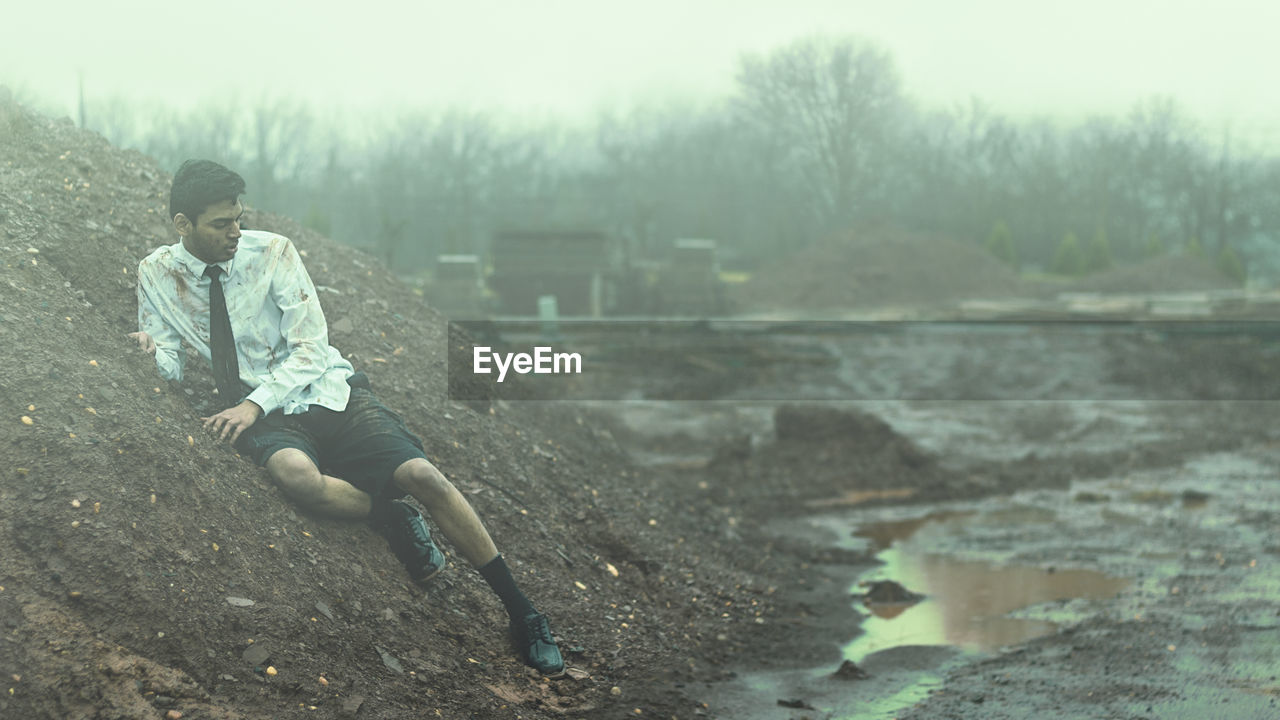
215 235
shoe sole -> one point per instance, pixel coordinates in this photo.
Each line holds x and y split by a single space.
427 579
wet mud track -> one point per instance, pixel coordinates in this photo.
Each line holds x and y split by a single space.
1149 594
1140 583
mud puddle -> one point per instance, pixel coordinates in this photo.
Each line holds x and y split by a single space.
1000 575
960 603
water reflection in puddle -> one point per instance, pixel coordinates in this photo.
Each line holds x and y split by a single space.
966 602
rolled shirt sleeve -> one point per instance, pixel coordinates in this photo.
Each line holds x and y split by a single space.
303 326
170 360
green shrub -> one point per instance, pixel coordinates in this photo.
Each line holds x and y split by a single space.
1230 265
1068 259
1097 256
1154 247
1000 243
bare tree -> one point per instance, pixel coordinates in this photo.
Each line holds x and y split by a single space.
211 130
116 118
1167 165
280 132
828 106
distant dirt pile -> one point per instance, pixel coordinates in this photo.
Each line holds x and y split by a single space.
881 268
826 456
1164 274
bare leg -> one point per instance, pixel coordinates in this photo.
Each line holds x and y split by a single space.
451 511
459 522
303 483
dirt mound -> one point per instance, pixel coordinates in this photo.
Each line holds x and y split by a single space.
881 268
808 424
824 456
132 543
1167 273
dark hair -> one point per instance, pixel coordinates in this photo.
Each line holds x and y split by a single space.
199 184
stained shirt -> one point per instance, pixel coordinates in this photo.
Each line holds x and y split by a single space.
282 340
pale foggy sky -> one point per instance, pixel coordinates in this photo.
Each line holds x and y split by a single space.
568 59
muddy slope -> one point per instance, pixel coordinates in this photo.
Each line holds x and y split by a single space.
145 569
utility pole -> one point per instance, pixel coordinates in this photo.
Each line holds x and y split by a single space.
82 111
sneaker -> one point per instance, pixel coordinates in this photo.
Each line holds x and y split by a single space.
537 648
407 534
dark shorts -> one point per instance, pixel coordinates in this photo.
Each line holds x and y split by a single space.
363 444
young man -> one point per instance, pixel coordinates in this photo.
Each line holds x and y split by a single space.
244 301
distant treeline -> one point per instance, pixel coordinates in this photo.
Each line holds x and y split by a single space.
817 138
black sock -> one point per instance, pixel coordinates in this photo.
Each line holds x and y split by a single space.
498 575
382 513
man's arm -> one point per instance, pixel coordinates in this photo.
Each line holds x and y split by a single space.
154 335
158 337
303 326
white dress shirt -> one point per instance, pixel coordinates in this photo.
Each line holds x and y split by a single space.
282 341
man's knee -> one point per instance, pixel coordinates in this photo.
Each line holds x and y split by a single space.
422 480
296 475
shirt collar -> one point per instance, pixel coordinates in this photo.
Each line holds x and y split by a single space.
195 265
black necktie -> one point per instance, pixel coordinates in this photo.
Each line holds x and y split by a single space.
222 345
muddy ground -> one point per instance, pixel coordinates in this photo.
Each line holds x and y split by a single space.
697 557
1092 524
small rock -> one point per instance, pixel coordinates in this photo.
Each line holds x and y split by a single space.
324 610
256 654
1193 497
352 705
888 591
389 660
173 715
849 671
238 601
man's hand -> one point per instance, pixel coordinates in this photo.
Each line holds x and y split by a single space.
144 341
234 420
